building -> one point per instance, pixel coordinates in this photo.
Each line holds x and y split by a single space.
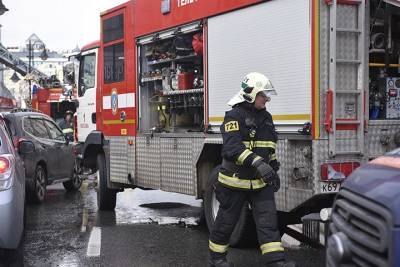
53 65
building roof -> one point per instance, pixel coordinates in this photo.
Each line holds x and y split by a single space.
34 38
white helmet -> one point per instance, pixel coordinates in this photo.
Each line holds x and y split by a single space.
252 84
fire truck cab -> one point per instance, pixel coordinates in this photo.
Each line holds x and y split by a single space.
166 69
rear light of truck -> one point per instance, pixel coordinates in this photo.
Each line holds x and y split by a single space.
337 171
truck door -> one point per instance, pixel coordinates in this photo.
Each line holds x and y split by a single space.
117 101
86 112
113 89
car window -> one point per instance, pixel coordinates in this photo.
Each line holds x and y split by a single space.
10 128
55 132
5 139
27 126
39 129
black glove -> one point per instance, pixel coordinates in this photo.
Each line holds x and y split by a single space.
265 170
275 165
276 183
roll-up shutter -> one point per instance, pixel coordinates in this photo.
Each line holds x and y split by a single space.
273 38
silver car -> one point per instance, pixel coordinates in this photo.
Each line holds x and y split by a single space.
12 191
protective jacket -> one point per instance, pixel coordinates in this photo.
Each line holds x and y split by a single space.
67 128
248 134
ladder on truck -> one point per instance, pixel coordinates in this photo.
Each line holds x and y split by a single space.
345 95
15 63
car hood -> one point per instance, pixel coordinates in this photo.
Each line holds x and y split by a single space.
380 182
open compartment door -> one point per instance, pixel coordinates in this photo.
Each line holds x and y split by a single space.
393 2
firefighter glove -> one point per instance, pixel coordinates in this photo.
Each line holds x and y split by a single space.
265 170
275 165
276 183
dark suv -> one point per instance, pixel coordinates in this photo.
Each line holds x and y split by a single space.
53 157
365 218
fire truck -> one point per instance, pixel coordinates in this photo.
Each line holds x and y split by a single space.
53 101
153 92
54 97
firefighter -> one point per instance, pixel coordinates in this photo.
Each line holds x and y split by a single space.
67 125
248 173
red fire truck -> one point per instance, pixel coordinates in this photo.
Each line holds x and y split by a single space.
166 70
53 102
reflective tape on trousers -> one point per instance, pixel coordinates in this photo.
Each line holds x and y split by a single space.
271 247
217 248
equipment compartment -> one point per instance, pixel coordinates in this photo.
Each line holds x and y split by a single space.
171 81
384 61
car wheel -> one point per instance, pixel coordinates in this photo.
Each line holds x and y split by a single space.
106 198
244 233
75 183
37 190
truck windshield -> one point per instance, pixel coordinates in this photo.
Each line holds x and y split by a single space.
87 73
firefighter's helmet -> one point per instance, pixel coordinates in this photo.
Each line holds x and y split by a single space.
68 112
252 84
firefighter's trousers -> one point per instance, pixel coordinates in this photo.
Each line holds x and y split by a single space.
265 216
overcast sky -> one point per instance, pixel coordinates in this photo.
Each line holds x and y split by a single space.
60 24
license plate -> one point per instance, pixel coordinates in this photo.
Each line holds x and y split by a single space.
329 187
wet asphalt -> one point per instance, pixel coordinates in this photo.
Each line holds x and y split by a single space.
147 228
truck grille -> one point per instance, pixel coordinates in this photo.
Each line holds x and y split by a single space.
366 226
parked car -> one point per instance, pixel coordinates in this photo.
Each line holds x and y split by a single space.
53 159
12 192
365 217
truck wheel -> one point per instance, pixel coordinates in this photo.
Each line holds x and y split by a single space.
244 233
76 181
37 189
106 198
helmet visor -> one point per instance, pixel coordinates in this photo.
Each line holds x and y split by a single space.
268 93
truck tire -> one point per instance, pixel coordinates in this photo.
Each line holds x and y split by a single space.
106 198
76 181
244 233
37 188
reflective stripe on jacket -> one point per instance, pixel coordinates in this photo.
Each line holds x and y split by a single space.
68 130
235 182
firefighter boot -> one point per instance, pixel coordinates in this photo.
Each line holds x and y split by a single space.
282 264
219 260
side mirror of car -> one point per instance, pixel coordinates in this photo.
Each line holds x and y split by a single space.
26 147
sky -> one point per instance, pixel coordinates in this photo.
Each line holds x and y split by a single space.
60 24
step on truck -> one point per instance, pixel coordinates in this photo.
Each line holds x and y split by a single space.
163 71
